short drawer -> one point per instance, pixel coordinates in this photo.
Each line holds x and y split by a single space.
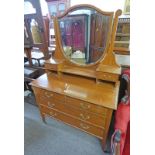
86 106
107 76
99 132
78 113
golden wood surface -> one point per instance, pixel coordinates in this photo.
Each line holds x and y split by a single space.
83 96
103 94
98 132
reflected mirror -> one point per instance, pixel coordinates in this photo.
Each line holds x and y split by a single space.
36 36
84 34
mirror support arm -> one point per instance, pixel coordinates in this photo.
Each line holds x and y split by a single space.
110 57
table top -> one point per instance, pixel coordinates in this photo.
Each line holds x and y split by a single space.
104 94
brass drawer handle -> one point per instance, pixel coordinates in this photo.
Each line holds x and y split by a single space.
51 104
84 126
84 117
48 95
52 113
84 106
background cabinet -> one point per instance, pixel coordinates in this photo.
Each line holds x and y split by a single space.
122 41
34 26
57 7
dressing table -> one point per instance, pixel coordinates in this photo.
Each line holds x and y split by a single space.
82 94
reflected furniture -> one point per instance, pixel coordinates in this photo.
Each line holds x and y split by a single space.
57 7
121 136
35 26
27 53
80 88
122 41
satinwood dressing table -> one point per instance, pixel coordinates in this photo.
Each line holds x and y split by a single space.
81 85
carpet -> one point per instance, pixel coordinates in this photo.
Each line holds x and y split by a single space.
55 137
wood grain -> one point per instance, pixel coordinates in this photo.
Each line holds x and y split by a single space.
83 96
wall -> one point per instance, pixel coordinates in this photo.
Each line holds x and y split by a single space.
106 5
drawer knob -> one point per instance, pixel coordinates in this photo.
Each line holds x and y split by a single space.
52 113
84 126
51 104
84 117
84 106
48 95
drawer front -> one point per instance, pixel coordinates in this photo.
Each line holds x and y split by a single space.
107 76
86 106
99 132
80 114
43 95
51 96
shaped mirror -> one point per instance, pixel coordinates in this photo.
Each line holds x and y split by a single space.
84 34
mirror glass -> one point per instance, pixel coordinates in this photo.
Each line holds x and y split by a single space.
36 35
84 35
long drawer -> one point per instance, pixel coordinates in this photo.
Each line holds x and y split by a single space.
86 106
80 114
99 132
73 102
80 104
51 95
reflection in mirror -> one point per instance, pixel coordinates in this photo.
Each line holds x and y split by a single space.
84 35
35 32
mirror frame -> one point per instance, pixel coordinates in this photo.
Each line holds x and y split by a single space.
59 52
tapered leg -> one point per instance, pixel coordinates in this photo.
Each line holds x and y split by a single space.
43 118
104 146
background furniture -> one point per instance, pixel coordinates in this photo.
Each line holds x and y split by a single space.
57 7
122 41
123 60
121 136
35 26
29 75
27 54
81 95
